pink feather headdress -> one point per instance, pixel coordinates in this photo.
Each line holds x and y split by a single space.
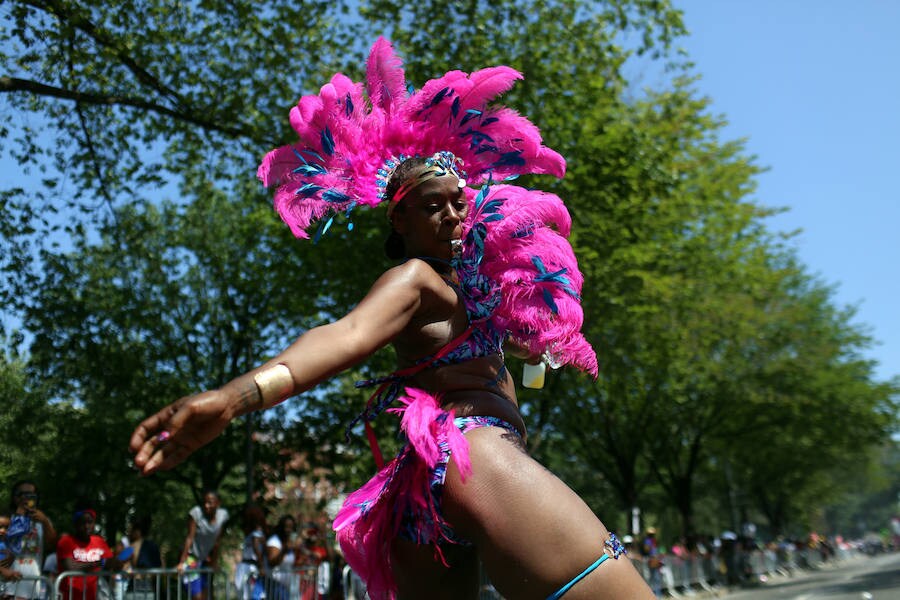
349 140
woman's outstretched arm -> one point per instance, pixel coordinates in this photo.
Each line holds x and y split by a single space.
168 437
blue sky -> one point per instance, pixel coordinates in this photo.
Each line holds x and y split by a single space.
815 87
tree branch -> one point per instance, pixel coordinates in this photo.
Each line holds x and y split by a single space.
14 84
80 21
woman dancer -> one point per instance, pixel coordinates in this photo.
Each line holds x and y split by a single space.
484 272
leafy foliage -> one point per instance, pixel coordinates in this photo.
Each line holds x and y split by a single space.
142 262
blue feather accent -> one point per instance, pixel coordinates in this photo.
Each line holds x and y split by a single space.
488 121
482 194
299 155
454 108
548 300
323 228
308 190
493 206
327 142
470 114
438 98
544 275
524 231
310 170
348 106
486 148
347 214
333 195
557 277
410 89
479 232
512 158
314 154
477 136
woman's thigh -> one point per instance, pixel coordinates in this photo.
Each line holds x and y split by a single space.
420 574
534 534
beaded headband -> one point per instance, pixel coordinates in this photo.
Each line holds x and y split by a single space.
438 165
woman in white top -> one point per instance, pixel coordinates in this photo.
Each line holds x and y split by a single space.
281 557
249 573
201 546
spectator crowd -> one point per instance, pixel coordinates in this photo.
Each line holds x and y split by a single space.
288 558
283 557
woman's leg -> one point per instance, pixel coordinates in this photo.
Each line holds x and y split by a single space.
420 575
534 534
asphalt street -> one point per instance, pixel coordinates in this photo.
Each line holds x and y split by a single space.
859 578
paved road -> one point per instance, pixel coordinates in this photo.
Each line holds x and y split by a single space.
863 578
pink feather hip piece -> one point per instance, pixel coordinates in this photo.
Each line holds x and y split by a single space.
403 498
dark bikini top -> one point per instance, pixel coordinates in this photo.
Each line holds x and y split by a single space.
479 340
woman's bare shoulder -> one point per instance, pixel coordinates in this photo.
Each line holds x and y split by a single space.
414 272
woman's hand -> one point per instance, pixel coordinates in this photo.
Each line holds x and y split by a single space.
518 349
165 439
39 516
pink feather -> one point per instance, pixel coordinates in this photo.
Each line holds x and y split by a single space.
385 78
275 165
487 84
523 310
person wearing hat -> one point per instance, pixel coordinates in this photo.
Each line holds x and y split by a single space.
83 551
650 552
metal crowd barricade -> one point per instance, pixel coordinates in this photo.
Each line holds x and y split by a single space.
681 570
809 558
682 575
37 588
141 584
156 584
300 583
354 588
755 565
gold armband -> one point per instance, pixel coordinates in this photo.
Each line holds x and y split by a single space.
275 384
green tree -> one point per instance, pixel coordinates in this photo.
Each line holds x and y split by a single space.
650 184
113 101
693 306
161 306
133 96
815 403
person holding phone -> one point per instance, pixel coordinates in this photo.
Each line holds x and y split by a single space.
30 533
